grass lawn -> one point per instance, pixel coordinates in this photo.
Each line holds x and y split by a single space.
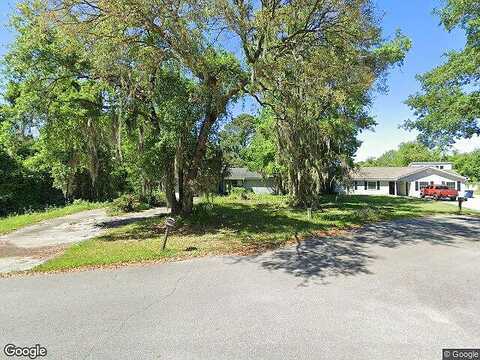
14 222
228 226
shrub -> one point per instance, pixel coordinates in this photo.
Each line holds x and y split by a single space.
133 202
203 211
23 189
239 193
160 198
125 203
80 202
155 199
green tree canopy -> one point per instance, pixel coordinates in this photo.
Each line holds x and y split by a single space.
468 164
405 154
236 137
131 94
448 106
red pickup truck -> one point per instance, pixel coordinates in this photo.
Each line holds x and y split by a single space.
439 192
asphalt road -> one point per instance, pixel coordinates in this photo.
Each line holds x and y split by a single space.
401 290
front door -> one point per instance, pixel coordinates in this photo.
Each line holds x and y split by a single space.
392 187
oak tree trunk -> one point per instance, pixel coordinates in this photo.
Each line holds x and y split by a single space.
172 202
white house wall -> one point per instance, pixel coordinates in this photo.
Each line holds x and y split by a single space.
384 189
430 177
259 186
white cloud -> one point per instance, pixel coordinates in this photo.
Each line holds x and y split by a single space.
467 145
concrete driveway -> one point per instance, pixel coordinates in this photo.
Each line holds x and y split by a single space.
401 290
32 245
473 204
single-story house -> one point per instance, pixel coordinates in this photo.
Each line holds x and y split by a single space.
404 181
250 180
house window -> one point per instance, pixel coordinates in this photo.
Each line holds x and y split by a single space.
365 185
416 186
372 185
459 185
355 184
423 184
451 184
441 167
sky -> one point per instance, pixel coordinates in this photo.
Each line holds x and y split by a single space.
429 42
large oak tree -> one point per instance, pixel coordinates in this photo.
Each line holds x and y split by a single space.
313 62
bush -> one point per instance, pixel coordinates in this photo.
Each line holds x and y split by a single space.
239 193
80 202
125 203
203 211
133 202
23 190
156 199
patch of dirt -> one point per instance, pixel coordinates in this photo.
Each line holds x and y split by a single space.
10 250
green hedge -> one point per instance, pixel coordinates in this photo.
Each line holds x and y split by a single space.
23 190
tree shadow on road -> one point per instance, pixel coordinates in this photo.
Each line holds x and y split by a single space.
320 258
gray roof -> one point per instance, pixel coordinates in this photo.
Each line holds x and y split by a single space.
383 173
242 174
453 172
393 173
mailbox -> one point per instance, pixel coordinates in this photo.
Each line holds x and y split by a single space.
169 224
